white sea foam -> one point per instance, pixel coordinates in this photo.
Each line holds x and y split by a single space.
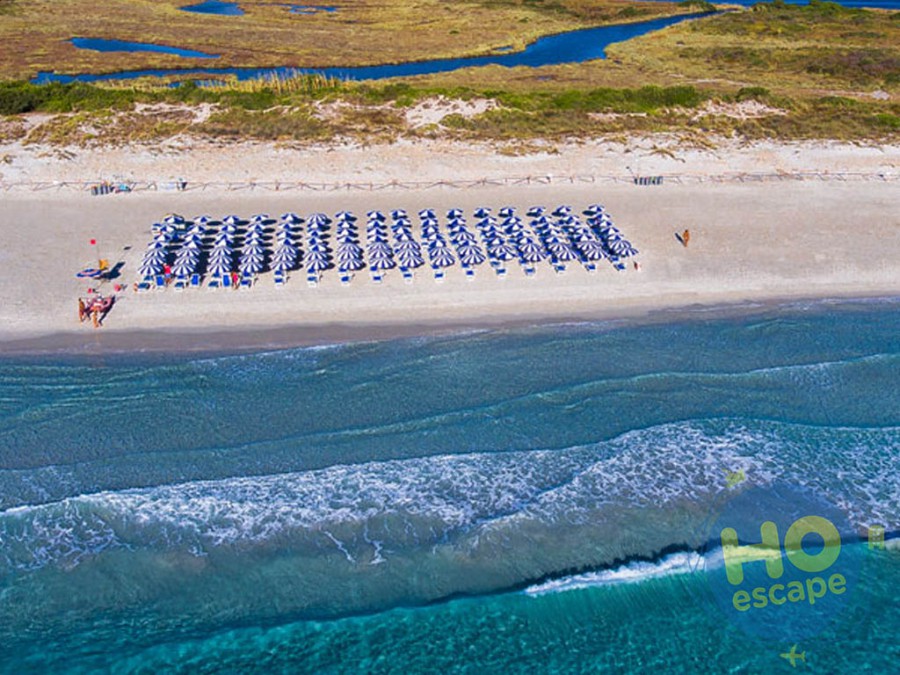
369 512
635 572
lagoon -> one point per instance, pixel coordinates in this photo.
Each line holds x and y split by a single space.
571 47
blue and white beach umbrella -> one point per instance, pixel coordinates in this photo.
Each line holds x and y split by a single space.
441 256
410 258
530 250
219 268
470 255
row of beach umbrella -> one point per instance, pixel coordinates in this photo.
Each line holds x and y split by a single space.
319 243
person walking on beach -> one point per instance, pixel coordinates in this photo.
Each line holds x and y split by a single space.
82 310
686 238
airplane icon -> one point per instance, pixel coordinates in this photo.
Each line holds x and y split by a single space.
732 478
793 656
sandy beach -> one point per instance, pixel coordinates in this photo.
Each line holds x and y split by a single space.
755 241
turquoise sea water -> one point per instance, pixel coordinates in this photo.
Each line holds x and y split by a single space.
498 501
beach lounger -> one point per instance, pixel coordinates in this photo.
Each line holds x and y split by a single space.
226 281
160 281
195 281
246 281
470 273
144 285
345 279
181 283
501 273
279 279
619 266
529 271
407 275
559 268
439 275
312 279
377 277
590 267
215 282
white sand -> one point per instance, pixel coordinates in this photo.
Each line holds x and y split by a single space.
750 241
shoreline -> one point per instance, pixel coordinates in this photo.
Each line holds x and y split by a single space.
211 341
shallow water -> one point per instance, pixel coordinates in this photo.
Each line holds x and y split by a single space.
215 7
101 45
319 508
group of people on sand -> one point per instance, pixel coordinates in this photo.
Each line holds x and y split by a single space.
95 308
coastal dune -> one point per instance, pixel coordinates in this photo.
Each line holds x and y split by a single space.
750 242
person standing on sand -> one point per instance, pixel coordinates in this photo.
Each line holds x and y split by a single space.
82 310
686 238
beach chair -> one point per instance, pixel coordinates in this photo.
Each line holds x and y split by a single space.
407 275
529 271
559 268
213 283
501 273
438 275
195 281
377 277
279 279
345 278
619 265
590 266
226 281
144 285
312 279
470 273
160 281
181 283
246 281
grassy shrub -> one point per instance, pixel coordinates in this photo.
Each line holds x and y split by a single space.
271 125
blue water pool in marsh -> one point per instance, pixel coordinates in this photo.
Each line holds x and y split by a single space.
571 47
214 7
311 9
101 45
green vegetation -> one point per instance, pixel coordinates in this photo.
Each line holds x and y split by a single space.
772 71
314 110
